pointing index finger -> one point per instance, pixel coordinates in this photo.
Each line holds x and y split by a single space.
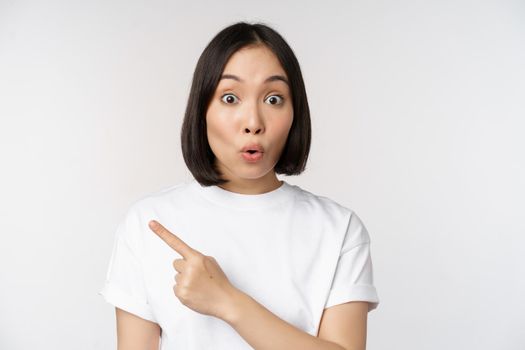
173 241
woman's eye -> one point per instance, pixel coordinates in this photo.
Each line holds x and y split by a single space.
275 99
230 98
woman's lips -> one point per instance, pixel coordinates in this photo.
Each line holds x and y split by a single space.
252 157
253 147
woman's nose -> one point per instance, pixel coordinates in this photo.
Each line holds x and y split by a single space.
253 122
254 130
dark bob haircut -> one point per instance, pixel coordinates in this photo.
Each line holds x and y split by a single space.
196 150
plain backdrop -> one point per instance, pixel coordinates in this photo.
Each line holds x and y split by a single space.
418 122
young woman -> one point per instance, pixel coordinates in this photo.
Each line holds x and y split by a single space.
236 258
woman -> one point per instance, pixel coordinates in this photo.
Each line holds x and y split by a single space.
258 263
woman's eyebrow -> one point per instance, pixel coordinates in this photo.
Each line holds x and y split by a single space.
269 79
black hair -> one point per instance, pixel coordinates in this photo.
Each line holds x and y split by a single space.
196 150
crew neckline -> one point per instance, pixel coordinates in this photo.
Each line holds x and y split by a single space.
226 198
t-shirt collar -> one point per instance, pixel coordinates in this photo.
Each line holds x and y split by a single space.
223 197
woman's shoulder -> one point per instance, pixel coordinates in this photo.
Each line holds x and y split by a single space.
324 208
167 195
321 202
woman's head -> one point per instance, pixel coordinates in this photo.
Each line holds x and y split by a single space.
232 105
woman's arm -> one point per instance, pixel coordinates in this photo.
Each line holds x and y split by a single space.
264 330
135 333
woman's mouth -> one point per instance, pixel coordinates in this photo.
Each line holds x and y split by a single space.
252 156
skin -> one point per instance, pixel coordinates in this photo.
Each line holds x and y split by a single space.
246 112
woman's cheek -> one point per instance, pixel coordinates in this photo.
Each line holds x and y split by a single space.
283 125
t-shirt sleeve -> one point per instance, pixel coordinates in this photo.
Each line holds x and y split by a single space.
124 284
353 279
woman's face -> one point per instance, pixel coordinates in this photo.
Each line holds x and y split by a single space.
251 105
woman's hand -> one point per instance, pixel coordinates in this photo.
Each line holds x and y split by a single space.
201 284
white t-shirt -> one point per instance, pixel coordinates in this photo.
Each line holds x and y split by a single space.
294 252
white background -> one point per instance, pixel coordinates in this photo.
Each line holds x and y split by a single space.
418 122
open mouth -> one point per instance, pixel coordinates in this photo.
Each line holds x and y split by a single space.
252 155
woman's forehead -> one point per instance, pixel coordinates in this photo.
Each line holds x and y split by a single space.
254 63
